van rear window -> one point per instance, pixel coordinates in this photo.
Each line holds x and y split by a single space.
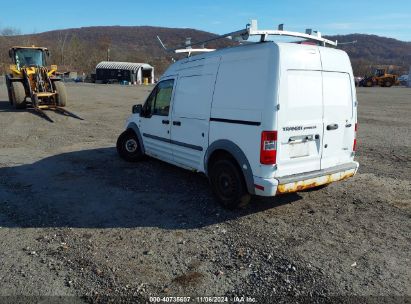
337 93
304 88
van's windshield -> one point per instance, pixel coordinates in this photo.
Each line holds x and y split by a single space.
29 57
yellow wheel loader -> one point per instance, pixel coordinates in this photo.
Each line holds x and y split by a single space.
381 78
31 83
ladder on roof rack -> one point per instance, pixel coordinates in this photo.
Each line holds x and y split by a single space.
252 30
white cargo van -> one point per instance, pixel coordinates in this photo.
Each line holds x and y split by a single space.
263 119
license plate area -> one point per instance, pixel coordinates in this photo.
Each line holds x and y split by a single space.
299 149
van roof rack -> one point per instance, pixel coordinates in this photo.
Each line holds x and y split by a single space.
251 29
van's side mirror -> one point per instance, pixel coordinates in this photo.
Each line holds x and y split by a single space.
137 109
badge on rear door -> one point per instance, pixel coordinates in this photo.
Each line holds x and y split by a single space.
294 128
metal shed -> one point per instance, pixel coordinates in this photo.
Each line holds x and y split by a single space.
114 71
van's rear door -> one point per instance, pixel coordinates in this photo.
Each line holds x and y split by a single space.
300 114
339 109
317 114
339 122
300 122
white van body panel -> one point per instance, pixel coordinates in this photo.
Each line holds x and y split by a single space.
228 97
191 108
300 116
246 97
338 109
301 110
340 104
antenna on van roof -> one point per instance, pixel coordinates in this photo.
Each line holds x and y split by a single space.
164 47
188 42
188 48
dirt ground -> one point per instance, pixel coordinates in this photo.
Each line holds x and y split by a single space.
79 224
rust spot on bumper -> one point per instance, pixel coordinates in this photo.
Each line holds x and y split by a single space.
314 182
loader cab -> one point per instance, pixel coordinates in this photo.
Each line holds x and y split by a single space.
29 56
379 72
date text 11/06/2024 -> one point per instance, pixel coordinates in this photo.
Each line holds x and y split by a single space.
170 299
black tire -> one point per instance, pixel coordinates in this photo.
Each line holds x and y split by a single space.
228 185
369 83
388 83
9 93
61 98
19 95
128 146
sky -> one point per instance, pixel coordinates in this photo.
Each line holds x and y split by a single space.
383 18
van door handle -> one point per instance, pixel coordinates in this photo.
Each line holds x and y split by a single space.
332 127
176 123
165 121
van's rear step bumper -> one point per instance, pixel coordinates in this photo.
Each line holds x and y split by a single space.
302 181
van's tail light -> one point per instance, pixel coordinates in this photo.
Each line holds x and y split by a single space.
268 149
354 146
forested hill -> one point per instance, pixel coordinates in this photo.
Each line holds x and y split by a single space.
372 50
81 49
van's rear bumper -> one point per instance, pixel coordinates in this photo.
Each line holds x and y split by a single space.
302 181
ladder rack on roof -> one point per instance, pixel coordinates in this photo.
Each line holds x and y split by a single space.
189 51
252 30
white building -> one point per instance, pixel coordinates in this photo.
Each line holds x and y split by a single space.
113 71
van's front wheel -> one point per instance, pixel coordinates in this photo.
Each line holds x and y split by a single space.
128 146
228 184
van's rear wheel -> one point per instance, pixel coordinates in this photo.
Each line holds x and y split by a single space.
128 146
228 184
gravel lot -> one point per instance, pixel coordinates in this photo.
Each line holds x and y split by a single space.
79 224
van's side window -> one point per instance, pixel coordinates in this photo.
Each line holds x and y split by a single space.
163 98
148 106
